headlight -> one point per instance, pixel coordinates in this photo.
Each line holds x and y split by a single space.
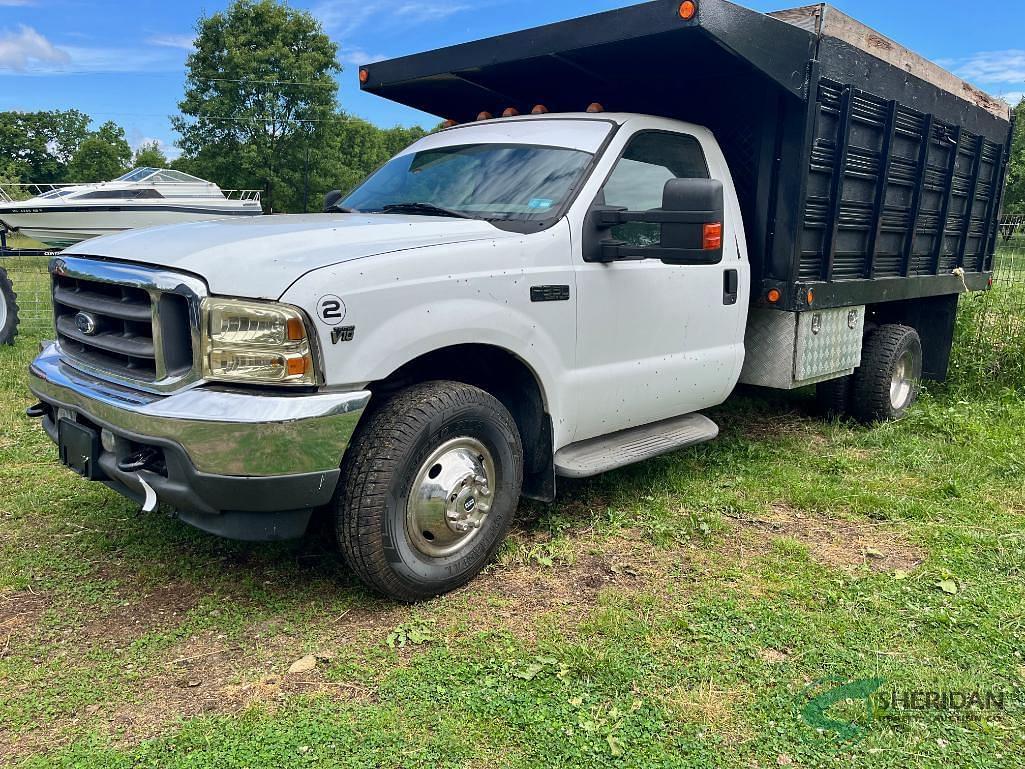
257 342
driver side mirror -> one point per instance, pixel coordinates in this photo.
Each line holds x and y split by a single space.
691 225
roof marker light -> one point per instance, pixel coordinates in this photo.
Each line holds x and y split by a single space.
688 10
595 108
485 116
450 124
540 109
364 76
510 112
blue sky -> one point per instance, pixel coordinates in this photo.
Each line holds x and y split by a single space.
124 60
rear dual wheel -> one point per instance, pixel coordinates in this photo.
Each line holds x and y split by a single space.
429 489
886 384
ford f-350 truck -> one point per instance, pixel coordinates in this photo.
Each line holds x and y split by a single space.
627 215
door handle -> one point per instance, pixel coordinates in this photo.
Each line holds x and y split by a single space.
730 287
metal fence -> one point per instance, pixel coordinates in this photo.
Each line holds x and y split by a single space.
991 326
990 344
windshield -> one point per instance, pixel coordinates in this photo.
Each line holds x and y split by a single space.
513 182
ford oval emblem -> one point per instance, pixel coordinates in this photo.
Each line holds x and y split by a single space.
87 323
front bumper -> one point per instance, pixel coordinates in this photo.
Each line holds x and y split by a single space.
242 464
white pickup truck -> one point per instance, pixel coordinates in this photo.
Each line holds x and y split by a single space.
551 294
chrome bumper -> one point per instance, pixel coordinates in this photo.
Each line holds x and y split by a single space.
224 432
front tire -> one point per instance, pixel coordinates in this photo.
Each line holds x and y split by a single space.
429 489
887 383
8 309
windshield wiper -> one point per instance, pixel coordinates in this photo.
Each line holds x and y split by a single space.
427 209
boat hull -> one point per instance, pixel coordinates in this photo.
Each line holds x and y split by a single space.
61 226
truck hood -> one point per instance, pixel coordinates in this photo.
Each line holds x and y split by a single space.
261 257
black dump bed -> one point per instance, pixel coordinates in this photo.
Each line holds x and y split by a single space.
865 173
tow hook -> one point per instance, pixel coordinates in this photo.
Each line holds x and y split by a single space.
140 460
149 504
38 411
136 463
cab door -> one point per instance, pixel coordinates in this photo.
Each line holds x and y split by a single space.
655 340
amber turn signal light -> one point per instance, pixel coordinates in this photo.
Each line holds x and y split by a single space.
712 240
296 330
364 75
688 10
774 295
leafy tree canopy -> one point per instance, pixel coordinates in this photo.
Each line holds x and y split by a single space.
37 146
1014 201
259 92
150 155
102 155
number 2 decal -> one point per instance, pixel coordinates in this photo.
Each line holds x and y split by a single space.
331 309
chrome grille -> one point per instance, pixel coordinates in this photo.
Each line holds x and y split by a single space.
127 323
109 325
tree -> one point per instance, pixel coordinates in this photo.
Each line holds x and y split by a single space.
37 146
102 155
259 92
149 155
1014 200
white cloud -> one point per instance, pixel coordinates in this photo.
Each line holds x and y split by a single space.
19 3
357 57
25 47
992 67
1014 97
184 42
343 17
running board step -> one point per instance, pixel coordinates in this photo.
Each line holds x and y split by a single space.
607 452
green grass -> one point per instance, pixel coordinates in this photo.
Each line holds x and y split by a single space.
670 614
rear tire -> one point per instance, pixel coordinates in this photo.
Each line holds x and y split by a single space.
429 488
8 310
834 396
887 383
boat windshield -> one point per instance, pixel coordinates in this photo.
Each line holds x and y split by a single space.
160 176
508 182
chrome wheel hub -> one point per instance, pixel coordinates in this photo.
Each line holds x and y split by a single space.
903 382
3 310
450 498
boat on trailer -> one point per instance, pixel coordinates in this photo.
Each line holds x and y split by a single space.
60 215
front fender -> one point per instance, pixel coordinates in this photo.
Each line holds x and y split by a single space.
402 306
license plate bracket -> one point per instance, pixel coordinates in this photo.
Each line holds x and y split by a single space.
79 448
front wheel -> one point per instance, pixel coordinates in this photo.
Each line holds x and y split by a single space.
429 489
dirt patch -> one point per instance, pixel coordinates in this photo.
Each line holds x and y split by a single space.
160 607
520 598
837 542
19 609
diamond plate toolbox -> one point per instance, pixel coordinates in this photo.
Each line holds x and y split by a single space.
786 350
